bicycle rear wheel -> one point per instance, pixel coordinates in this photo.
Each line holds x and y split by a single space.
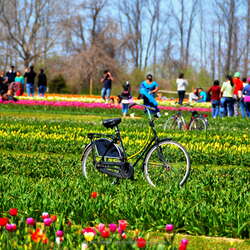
173 122
90 170
167 163
198 124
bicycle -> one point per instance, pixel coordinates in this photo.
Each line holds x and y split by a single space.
197 122
164 160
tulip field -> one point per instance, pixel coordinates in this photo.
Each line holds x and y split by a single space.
46 203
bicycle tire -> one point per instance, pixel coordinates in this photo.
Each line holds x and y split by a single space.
173 123
90 172
198 123
176 164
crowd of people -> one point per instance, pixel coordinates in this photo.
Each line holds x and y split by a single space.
230 99
13 83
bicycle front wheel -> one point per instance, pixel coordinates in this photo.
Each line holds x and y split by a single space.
198 124
167 163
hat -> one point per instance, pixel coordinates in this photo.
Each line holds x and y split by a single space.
237 74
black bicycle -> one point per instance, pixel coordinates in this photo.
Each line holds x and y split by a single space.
164 160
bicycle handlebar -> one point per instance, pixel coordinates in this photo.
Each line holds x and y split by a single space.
145 106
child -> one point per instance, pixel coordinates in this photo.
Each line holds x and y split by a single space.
125 98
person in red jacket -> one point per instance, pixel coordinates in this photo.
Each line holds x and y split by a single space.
214 91
237 95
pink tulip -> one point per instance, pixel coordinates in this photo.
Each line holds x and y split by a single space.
94 105
59 233
101 227
169 227
47 222
30 221
119 230
10 227
184 241
112 227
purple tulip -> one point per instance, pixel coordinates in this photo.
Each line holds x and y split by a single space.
169 227
30 221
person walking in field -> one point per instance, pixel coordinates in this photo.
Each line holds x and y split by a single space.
181 87
30 76
42 83
107 85
214 91
237 95
19 80
11 74
125 98
227 102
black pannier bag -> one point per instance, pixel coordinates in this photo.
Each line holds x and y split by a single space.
107 148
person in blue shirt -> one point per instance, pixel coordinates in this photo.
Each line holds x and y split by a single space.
202 95
148 91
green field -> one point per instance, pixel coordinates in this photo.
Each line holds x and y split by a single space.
40 168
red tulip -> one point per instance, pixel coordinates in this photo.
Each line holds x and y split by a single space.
3 221
89 230
122 224
183 245
13 211
45 215
105 233
141 243
94 195
124 236
53 218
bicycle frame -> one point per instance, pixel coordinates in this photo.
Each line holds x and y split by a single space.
117 138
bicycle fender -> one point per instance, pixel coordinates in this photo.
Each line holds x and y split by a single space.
85 149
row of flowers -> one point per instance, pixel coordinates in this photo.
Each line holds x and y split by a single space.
79 104
43 232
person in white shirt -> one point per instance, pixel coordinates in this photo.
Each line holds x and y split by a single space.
181 87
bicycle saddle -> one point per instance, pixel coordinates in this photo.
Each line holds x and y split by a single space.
111 123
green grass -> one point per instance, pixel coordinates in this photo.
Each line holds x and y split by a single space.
41 171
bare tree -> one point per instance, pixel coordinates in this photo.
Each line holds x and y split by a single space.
22 21
184 18
131 12
246 66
